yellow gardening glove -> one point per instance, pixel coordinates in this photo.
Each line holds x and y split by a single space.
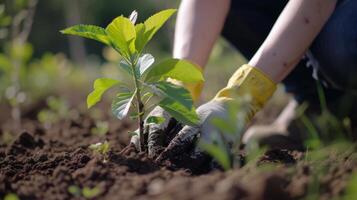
194 88
246 81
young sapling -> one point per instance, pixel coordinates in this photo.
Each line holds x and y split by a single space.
149 80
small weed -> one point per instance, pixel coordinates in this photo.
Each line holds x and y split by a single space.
101 149
6 138
58 109
86 192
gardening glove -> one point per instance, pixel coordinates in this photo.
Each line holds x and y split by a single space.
159 135
246 81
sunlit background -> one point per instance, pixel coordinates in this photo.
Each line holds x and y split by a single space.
47 75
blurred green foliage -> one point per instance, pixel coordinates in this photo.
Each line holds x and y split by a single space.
86 192
39 70
54 15
101 128
351 188
11 196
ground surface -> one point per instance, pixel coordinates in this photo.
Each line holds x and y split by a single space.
44 163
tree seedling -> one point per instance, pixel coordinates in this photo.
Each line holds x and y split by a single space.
150 86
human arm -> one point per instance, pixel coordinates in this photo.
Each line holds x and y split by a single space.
292 34
198 25
294 31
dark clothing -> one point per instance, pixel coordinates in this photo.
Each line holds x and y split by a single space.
332 58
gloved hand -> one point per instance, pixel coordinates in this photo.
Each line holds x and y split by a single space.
247 80
159 135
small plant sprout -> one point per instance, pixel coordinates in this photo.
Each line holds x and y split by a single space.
90 193
75 190
86 192
101 149
149 86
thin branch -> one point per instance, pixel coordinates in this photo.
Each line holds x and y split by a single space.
27 27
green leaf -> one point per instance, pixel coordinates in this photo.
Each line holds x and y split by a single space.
147 96
101 148
135 115
124 65
90 193
155 120
88 31
173 92
225 125
11 196
147 30
121 104
181 70
121 32
177 101
144 62
218 153
141 38
74 190
180 112
100 86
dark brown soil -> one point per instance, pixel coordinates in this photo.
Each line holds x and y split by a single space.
44 163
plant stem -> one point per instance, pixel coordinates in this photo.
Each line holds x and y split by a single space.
140 109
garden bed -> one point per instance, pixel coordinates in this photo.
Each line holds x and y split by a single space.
56 163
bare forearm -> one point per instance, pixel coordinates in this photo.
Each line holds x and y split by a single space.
292 34
198 25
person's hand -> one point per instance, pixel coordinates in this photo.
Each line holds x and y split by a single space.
247 80
158 134
184 140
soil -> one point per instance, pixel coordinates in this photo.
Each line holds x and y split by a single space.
42 163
